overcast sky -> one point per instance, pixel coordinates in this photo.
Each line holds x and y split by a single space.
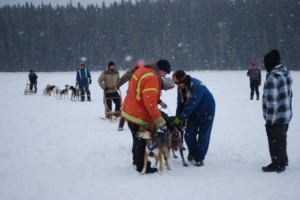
60 2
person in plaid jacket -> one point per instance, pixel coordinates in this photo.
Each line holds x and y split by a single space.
277 110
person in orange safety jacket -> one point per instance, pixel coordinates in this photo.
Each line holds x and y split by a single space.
140 106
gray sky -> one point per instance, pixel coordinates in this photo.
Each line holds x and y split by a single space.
59 2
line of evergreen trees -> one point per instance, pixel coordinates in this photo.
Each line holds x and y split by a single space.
191 34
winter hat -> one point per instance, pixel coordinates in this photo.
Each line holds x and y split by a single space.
82 65
110 64
253 64
139 63
179 76
164 65
271 59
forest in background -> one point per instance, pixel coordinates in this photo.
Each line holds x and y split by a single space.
191 34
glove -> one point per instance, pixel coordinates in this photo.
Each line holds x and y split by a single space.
90 81
163 105
177 121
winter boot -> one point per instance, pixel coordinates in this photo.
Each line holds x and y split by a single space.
273 168
199 163
82 98
121 124
190 157
89 98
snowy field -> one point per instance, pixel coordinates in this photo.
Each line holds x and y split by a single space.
54 149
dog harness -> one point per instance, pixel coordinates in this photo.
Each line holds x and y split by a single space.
156 144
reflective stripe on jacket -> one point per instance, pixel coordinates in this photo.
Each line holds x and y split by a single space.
140 104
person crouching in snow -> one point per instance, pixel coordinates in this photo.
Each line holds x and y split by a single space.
196 105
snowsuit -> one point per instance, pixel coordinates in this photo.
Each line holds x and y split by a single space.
83 78
277 111
140 108
255 80
33 81
108 82
196 105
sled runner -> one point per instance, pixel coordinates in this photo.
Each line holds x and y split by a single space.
29 90
109 113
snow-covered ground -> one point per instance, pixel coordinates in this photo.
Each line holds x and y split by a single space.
62 150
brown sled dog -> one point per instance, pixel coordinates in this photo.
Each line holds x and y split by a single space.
156 146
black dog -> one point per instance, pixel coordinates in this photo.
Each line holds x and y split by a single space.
175 136
74 94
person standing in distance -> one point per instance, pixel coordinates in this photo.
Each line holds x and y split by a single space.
254 74
33 80
83 79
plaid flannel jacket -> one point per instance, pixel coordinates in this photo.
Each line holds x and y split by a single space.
277 96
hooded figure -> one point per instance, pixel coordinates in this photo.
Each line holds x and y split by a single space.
271 60
277 110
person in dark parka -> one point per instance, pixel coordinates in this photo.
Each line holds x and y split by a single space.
33 80
254 74
196 105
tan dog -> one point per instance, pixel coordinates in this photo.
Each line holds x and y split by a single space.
49 90
156 146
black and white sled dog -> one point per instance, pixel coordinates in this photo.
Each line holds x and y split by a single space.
75 92
65 92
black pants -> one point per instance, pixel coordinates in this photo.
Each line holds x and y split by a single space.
277 135
115 97
33 85
122 122
138 148
254 87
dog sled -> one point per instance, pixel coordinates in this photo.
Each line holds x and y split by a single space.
30 88
109 113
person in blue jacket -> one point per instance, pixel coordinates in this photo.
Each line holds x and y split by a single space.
196 106
83 79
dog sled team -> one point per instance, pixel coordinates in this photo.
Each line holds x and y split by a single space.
78 92
156 134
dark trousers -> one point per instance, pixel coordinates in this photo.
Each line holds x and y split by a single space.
197 134
122 122
84 88
33 85
115 97
277 135
138 147
254 84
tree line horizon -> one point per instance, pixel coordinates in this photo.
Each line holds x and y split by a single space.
190 34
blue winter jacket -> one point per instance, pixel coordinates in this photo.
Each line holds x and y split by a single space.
200 102
83 76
